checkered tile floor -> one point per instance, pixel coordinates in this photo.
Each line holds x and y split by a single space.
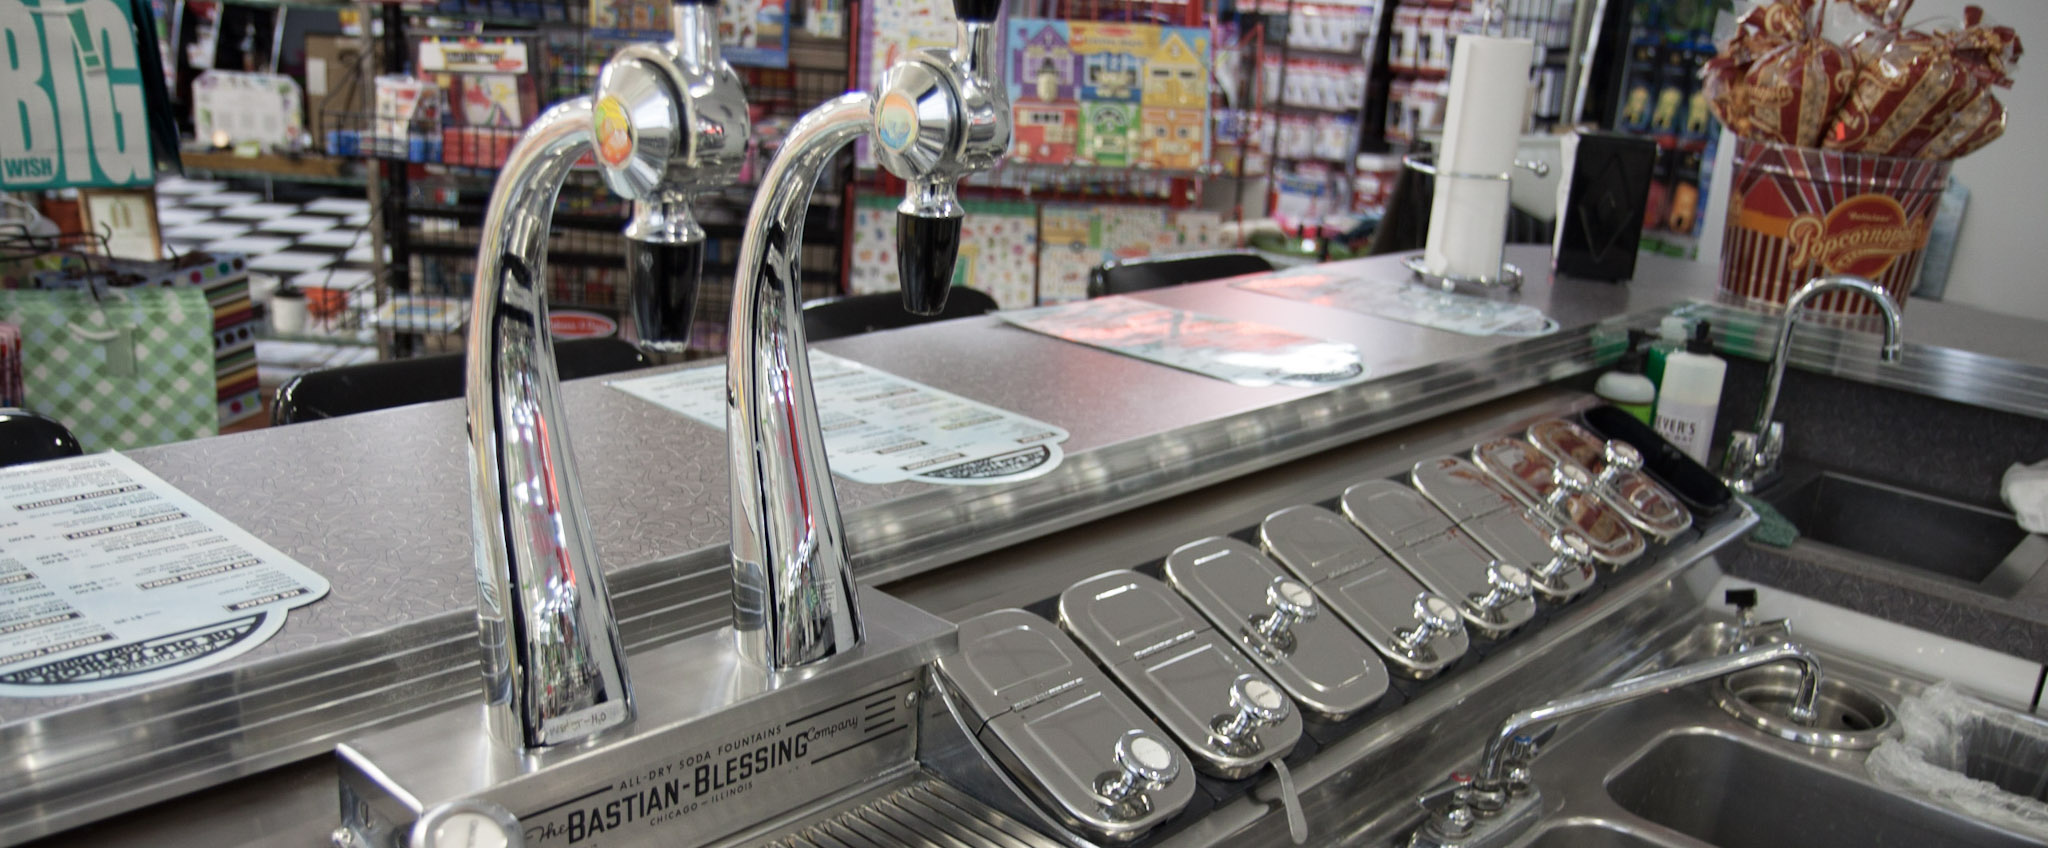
321 244
318 244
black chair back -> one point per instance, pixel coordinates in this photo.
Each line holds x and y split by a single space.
334 392
853 315
1124 276
28 437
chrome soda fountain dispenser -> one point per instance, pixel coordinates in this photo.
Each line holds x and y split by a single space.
814 689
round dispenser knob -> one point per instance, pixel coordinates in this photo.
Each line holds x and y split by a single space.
1435 617
1621 459
1143 761
1509 582
1258 704
1292 603
1569 550
1565 481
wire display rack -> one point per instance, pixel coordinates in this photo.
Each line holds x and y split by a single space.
437 140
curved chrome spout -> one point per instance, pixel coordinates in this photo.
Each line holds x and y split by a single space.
1493 763
1753 454
940 116
792 586
554 670
667 119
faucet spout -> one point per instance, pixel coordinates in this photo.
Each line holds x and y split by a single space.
665 120
554 669
1493 763
940 116
1753 454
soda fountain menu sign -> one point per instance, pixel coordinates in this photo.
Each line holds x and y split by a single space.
111 577
72 110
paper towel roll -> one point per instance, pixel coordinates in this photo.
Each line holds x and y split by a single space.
1482 125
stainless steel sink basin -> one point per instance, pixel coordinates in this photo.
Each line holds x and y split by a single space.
1734 794
1676 771
1980 547
1591 835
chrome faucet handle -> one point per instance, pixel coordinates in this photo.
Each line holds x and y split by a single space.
670 121
1508 584
1569 550
940 116
1451 815
1752 457
1258 704
1143 762
1434 617
1619 459
1292 604
1566 480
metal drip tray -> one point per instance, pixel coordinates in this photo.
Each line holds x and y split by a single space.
1846 717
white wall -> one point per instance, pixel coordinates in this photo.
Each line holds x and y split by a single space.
2001 258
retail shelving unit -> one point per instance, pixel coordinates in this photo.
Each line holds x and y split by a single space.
432 170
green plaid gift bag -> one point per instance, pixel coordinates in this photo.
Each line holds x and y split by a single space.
127 368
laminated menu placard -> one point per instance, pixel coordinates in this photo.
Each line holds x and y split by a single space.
1404 301
1240 352
111 577
881 428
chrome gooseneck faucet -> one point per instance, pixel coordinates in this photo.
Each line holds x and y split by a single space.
1457 811
940 115
666 120
1753 454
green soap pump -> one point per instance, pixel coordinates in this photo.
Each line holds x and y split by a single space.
1625 386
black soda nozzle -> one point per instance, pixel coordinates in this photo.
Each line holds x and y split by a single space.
977 11
665 280
926 249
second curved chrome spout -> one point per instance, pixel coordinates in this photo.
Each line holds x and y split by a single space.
939 117
1753 454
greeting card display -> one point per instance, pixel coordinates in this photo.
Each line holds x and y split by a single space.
1112 95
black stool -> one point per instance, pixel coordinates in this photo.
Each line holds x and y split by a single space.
27 437
853 315
334 392
1123 276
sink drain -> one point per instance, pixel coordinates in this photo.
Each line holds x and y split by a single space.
1846 717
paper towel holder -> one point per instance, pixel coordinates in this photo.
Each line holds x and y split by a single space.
1510 277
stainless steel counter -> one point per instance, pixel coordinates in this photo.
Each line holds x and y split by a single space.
378 504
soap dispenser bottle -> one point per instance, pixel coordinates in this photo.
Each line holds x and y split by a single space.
1671 335
1625 386
1689 399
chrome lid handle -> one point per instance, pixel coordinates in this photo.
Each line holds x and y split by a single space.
1569 550
1509 582
1621 459
1435 617
1143 761
1292 604
1258 704
1565 481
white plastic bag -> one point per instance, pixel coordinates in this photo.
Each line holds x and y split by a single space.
1986 761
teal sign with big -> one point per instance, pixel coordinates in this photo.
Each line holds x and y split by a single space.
72 108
